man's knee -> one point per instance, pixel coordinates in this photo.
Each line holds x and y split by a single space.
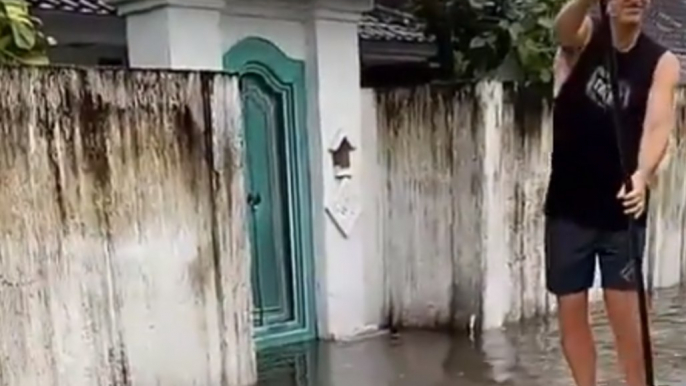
573 306
573 317
621 304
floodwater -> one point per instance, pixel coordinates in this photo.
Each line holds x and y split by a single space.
521 355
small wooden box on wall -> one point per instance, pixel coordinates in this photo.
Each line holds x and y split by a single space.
340 149
344 205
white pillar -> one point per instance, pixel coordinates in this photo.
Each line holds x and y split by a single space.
335 103
497 282
179 34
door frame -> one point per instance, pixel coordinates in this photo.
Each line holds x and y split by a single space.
258 56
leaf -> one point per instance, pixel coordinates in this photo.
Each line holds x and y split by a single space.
477 42
487 31
523 54
546 22
24 35
515 30
476 4
461 64
34 59
19 19
21 39
17 11
5 41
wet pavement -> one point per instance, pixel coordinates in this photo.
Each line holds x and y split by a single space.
520 355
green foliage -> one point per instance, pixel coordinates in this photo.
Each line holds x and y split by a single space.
484 33
21 38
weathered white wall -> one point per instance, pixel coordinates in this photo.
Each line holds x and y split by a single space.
667 227
462 176
123 254
518 142
370 221
430 149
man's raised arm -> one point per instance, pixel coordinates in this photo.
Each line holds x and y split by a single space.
573 26
660 116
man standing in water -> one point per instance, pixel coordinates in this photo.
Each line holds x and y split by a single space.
587 209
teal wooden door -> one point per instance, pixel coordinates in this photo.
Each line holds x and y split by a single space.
267 198
278 185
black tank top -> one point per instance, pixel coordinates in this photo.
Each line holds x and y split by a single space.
586 171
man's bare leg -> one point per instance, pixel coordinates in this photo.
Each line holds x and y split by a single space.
577 337
622 310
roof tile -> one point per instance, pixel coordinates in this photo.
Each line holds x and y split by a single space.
380 24
387 24
97 7
665 23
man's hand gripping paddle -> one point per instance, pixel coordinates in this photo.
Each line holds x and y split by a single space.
636 255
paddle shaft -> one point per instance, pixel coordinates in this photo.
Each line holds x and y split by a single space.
636 255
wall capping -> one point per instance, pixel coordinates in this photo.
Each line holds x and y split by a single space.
340 10
345 6
126 7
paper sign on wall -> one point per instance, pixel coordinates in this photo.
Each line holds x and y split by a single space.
344 207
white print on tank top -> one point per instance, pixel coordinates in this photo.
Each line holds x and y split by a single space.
599 89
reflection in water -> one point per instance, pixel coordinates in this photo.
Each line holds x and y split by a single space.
289 366
520 356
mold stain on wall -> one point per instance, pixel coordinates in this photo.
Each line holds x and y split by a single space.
464 171
109 271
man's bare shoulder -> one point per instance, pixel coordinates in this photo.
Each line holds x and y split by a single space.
668 69
670 61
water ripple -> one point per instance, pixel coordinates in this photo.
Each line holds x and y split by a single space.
527 355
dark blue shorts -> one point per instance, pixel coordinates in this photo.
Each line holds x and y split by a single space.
572 251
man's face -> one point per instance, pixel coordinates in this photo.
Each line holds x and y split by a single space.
629 11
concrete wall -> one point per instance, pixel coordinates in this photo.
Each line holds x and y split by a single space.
461 176
373 209
123 256
667 232
431 149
